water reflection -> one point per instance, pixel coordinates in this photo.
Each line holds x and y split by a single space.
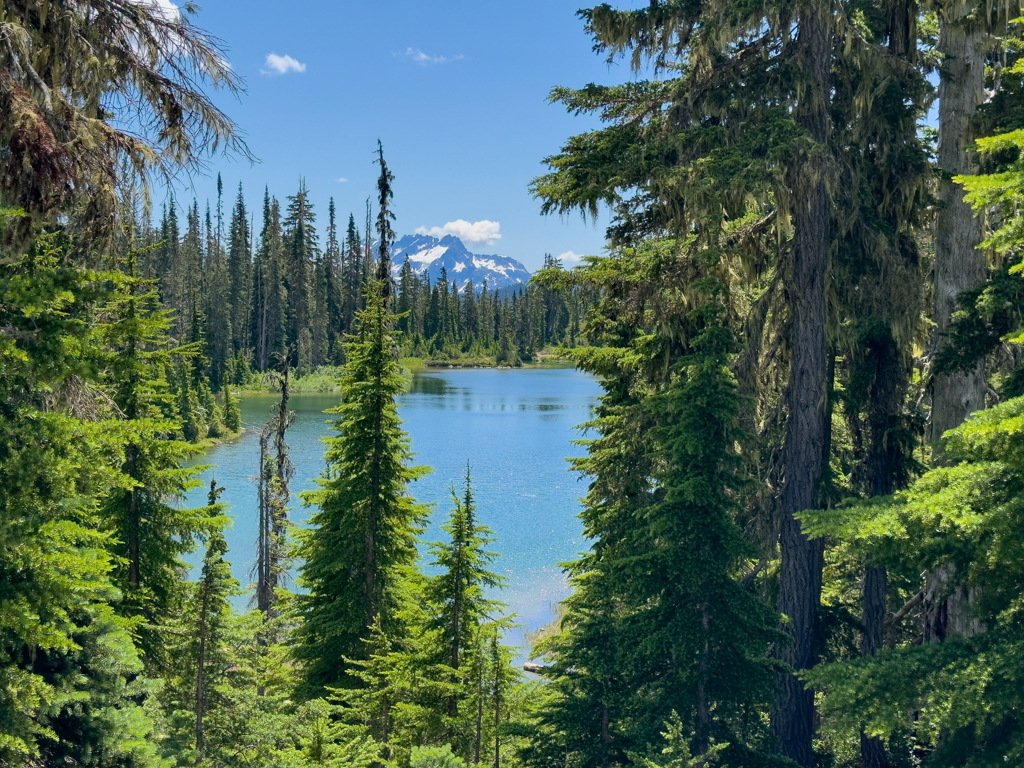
516 429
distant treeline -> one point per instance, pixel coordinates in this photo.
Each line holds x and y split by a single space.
242 295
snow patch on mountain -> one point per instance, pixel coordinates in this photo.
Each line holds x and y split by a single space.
428 255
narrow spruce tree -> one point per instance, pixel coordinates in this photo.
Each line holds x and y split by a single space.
213 611
385 234
658 606
456 595
232 413
362 540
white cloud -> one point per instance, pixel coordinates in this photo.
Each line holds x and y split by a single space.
166 8
419 57
476 232
342 180
570 258
280 65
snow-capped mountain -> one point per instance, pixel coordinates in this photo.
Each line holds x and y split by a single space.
427 255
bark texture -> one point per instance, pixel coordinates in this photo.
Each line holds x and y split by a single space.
959 266
806 397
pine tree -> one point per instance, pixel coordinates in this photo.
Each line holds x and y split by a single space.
362 540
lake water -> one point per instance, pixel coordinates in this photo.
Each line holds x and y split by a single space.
515 427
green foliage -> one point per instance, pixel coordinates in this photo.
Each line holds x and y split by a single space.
968 514
151 531
677 752
358 554
232 413
990 317
435 757
71 687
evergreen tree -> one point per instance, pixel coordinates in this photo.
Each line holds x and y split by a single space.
385 234
362 541
150 530
71 691
232 413
457 594
334 285
353 277
300 251
270 293
239 266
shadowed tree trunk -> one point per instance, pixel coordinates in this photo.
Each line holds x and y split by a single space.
801 567
883 460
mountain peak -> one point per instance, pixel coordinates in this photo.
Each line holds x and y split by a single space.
427 255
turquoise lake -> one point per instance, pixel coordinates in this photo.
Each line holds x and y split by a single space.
515 427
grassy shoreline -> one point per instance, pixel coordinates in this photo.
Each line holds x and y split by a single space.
325 377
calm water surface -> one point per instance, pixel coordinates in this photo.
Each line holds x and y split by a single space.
515 427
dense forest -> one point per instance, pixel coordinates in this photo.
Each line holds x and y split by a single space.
806 470
245 296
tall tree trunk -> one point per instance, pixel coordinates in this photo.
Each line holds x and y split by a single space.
872 749
886 397
479 710
264 588
201 668
959 266
802 559
497 711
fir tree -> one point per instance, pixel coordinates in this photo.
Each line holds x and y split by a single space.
362 541
457 594
239 265
300 251
353 277
385 234
232 413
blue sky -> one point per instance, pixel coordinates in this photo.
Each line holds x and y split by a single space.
457 92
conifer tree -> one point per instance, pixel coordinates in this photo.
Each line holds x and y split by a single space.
690 603
334 286
273 491
270 294
71 690
300 251
456 595
385 234
362 541
151 531
353 277
232 413
214 588
239 265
